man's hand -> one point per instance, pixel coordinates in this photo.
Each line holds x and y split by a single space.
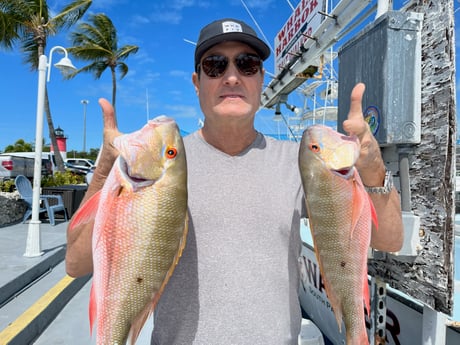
79 257
109 152
369 164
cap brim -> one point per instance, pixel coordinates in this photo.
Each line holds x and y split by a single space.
258 45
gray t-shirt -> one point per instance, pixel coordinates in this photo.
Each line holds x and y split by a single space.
237 281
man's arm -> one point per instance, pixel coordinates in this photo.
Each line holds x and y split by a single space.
389 235
79 258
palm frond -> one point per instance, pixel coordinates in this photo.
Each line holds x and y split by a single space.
122 69
70 14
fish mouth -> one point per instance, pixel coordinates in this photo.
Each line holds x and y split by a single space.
345 173
135 180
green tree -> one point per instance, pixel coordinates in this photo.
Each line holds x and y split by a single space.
29 23
97 42
19 146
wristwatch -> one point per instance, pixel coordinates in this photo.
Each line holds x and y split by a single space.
387 185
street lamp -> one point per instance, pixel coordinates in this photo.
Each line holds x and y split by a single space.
66 67
85 103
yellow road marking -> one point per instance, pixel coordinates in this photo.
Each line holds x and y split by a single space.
30 314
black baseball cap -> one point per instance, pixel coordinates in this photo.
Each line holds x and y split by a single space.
229 29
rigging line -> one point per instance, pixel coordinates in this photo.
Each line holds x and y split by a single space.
290 5
258 27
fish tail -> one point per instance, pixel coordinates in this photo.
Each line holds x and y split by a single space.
357 204
373 213
366 295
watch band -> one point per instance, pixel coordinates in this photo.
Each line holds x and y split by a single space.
387 185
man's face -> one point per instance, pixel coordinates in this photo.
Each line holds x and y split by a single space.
231 94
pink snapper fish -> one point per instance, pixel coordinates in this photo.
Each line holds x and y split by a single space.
140 228
340 214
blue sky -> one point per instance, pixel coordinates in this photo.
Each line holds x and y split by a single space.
162 69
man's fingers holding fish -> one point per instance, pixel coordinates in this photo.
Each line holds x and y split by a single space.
108 152
370 160
355 123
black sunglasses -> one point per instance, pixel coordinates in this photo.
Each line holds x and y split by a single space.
214 66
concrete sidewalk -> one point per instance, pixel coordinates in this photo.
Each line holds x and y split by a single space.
67 310
17 271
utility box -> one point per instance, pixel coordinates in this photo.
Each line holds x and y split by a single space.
386 56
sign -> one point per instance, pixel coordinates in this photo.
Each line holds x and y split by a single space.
403 324
301 25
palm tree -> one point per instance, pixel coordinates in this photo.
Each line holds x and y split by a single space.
29 23
97 42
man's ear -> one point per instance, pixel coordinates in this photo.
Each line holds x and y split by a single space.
196 82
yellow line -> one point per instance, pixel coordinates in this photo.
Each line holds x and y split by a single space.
30 314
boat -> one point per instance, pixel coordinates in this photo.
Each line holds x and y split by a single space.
406 318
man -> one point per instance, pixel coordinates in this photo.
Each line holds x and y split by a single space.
237 280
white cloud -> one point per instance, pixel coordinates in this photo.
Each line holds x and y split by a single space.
182 111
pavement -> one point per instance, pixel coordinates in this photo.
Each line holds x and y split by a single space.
38 300
31 295
17 270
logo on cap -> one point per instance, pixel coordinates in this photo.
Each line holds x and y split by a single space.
231 27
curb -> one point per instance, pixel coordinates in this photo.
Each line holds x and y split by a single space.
13 287
28 327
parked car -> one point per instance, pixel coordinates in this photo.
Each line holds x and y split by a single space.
82 164
12 166
75 169
47 158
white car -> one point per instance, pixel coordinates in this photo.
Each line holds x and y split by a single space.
81 163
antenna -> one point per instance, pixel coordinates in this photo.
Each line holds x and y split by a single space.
188 41
290 5
258 27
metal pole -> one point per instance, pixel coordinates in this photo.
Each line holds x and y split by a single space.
33 235
383 6
33 244
85 103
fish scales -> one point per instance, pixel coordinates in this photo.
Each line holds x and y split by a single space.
340 215
145 267
139 229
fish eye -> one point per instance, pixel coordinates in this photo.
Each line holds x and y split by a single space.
171 152
314 147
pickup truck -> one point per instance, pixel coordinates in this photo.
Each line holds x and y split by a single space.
12 165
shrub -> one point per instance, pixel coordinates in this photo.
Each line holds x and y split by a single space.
60 179
7 186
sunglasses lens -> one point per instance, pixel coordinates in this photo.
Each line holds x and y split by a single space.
214 66
248 64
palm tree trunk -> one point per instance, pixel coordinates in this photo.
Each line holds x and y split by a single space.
52 134
114 86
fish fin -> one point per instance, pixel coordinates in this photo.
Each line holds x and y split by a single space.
366 295
138 323
357 204
92 308
174 263
87 212
373 213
